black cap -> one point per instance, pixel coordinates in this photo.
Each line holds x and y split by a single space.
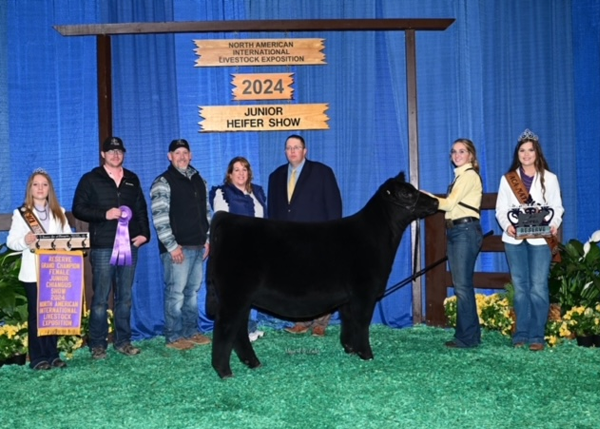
112 143
176 144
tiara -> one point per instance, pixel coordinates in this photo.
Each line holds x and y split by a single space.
528 135
39 170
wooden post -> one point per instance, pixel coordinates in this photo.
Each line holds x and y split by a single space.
409 26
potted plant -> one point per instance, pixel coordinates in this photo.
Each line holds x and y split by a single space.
13 344
583 322
13 302
13 309
575 280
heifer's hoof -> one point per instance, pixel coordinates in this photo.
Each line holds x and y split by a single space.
252 364
365 356
348 349
225 375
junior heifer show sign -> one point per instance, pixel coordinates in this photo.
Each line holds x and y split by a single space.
263 86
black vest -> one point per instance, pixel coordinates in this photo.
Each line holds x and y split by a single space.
187 210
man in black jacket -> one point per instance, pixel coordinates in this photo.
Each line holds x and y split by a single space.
111 200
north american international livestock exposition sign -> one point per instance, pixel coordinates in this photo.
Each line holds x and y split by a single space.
259 52
60 292
273 117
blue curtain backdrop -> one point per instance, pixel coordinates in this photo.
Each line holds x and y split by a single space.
500 68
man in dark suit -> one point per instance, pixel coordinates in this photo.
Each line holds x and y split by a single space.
303 191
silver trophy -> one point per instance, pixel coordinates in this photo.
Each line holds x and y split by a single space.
531 221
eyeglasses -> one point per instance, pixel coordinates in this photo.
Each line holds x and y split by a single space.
293 148
460 151
114 152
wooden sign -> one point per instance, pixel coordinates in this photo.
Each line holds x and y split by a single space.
273 117
265 86
259 52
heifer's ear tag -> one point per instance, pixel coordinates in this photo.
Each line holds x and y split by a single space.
387 191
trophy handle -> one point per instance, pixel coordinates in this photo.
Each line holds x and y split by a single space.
513 216
550 211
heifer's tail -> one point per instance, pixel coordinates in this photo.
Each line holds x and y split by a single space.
212 301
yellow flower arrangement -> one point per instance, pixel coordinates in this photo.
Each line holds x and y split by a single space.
496 315
493 311
69 343
13 340
582 321
451 309
556 332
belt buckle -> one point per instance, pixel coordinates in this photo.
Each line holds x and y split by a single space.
449 223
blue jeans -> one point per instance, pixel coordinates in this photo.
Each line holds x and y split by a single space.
182 283
119 278
529 267
464 243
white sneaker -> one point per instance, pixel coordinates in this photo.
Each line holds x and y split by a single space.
255 335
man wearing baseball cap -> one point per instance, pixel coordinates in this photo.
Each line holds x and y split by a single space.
181 216
111 200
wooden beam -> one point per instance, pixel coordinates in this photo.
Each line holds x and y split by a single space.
104 31
104 73
420 24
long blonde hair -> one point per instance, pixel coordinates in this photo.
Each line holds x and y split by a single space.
53 203
471 148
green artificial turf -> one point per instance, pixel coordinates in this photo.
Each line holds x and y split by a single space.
307 382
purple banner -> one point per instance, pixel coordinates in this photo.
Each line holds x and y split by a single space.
60 292
121 254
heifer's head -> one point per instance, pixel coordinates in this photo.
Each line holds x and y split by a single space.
405 199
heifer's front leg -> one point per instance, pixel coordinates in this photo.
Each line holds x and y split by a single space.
364 347
221 348
361 309
243 348
347 330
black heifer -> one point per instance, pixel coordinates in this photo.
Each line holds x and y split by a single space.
303 270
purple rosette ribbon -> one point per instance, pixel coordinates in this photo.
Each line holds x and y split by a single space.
121 254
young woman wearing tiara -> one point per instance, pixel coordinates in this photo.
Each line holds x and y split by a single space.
529 259
42 213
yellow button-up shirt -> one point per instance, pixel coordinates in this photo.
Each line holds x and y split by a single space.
467 189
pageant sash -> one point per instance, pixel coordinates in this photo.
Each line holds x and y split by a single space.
31 220
60 292
121 254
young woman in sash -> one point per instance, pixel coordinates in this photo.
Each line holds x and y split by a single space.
464 238
529 182
41 213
